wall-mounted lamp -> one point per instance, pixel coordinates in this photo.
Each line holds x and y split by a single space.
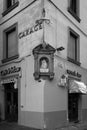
60 48
63 80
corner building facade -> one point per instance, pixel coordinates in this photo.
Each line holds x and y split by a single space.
32 31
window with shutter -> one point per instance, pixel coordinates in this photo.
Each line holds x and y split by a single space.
12 43
73 5
73 9
10 48
73 47
9 5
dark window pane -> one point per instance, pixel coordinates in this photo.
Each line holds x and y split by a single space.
8 3
11 2
73 5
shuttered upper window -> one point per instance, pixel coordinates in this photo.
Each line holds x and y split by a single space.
10 48
73 6
73 9
12 43
9 5
73 47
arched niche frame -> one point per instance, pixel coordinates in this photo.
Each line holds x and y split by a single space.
43 61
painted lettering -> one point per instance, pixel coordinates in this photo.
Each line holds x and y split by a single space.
29 31
11 70
74 73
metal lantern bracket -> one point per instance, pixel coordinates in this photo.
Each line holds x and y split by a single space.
63 81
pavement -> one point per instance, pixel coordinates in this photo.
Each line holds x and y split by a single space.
75 126
14 126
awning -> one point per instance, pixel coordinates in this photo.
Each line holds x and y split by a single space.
77 87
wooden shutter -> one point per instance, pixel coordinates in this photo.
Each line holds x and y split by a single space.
12 43
72 47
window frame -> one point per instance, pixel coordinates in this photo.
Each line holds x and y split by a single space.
77 14
5 46
77 48
7 10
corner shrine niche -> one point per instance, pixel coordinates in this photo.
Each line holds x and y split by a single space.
43 61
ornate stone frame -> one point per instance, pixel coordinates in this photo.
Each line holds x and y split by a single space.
43 51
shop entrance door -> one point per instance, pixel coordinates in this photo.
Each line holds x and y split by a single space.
73 106
11 102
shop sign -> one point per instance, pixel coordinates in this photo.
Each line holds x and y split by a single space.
11 70
30 30
74 73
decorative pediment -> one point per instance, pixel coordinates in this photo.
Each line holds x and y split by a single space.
41 48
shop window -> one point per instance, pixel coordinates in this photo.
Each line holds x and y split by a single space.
9 5
74 9
73 47
10 44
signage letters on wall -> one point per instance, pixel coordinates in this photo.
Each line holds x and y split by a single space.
73 73
30 30
11 70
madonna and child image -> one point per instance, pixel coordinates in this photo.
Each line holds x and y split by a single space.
44 65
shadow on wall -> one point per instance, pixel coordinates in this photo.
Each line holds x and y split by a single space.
0 112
